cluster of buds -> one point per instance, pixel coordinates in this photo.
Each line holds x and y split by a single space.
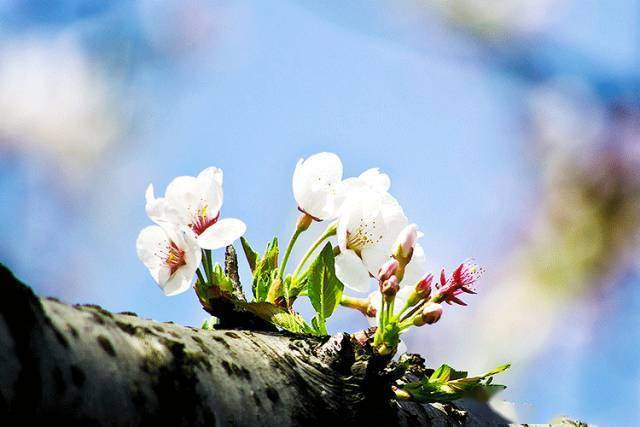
460 281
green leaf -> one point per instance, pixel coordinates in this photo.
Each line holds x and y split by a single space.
210 323
319 325
221 280
297 288
263 274
323 287
278 316
252 256
447 384
286 285
441 374
497 370
290 322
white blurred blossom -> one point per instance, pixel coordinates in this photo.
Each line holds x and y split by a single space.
55 102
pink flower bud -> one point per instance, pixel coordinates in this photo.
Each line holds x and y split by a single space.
406 241
431 313
388 269
371 311
390 287
423 288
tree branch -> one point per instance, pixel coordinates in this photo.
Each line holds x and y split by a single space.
81 365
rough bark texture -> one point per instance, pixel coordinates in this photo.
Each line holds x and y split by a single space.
81 365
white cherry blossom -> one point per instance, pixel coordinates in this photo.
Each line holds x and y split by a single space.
368 227
172 256
194 203
317 185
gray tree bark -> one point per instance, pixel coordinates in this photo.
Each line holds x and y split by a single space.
82 365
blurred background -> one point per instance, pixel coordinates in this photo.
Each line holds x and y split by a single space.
510 128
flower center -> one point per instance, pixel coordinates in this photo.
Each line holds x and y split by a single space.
175 258
364 235
202 221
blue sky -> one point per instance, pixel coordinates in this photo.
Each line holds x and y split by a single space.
279 81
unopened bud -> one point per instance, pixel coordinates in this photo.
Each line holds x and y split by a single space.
388 269
390 287
423 288
405 243
431 313
372 311
304 221
421 291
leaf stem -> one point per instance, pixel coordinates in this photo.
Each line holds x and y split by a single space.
287 253
383 313
200 278
208 263
401 312
330 231
360 304
413 311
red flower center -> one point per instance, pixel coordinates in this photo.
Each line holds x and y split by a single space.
175 258
202 221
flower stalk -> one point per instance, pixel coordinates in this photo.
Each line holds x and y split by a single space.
330 231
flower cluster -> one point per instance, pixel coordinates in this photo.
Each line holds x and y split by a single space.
188 223
368 239
373 241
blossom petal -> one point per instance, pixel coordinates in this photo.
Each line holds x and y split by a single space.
150 246
414 271
153 206
184 195
211 174
180 281
376 180
369 180
316 184
211 186
160 211
374 257
222 233
360 215
352 272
